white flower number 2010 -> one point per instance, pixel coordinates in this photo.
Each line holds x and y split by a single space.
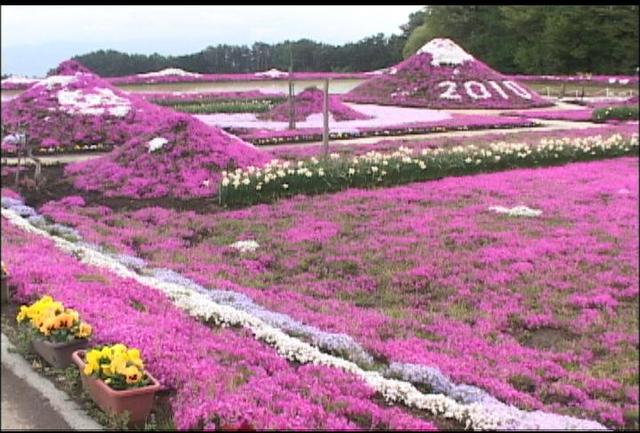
478 90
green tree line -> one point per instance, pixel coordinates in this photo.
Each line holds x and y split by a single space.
538 39
511 39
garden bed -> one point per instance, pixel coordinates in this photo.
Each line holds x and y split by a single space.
236 375
310 265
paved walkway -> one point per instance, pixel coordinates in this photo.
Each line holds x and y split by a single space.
24 408
31 401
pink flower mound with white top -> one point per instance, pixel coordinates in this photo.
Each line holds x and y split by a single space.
70 110
158 152
309 102
443 75
173 155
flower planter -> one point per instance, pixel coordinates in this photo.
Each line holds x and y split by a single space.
58 355
136 401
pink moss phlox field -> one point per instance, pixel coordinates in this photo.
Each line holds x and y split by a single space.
418 82
310 101
293 152
203 78
457 122
219 376
426 274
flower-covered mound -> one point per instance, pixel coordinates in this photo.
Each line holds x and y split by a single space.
443 75
178 157
443 281
69 111
158 152
215 376
309 102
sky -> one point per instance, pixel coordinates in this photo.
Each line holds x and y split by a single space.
37 38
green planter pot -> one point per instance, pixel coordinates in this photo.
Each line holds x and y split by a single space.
136 401
58 355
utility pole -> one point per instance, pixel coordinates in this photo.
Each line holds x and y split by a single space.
292 108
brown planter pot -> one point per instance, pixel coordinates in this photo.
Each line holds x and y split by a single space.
58 355
6 294
136 401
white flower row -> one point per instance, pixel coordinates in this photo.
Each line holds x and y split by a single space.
477 415
376 163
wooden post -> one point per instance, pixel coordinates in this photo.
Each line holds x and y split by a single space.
563 89
325 119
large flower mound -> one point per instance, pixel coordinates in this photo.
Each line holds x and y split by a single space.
170 154
68 110
309 102
443 75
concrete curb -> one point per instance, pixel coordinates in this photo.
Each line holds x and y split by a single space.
66 408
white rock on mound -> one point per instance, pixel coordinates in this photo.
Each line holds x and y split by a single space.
445 52
169 72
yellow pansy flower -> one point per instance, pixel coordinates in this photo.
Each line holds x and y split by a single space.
84 330
133 374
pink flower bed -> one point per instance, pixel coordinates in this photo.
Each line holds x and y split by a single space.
457 122
220 376
140 79
537 311
309 102
442 75
586 79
